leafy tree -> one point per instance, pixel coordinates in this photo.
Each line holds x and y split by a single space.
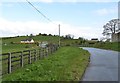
31 35
39 33
44 34
69 36
80 38
50 35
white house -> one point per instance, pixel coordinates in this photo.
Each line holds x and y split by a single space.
27 41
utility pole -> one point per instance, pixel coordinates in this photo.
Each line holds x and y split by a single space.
59 34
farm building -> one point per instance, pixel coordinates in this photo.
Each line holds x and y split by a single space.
95 39
43 44
115 37
27 41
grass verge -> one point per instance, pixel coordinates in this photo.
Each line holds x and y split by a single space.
108 46
67 64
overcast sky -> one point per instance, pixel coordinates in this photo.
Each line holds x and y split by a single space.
77 17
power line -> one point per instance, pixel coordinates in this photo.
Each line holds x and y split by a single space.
39 11
44 17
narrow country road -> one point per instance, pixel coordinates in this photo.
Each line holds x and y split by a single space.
103 65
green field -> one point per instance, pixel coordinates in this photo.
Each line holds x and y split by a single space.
13 44
108 45
67 64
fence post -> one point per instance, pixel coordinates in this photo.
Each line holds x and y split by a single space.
39 53
9 63
43 52
51 49
21 62
36 54
46 51
29 56
55 47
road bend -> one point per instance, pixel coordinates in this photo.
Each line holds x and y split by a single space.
103 65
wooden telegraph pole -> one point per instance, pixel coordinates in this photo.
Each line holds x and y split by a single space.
59 34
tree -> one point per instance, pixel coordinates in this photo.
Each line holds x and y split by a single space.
44 34
50 35
69 36
31 35
39 33
81 38
111 27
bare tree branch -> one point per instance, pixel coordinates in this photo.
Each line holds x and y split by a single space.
112 27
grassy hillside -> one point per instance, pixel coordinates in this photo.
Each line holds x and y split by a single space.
13 44
67 64
108 45
36 38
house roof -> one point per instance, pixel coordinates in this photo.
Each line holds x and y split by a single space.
27 39
94 39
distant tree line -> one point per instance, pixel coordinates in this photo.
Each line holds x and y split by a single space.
30 36
44 34
9 37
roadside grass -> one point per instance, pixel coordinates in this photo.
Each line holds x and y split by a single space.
67 64
108 45
70 42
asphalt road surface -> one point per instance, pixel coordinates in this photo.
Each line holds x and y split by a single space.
103 65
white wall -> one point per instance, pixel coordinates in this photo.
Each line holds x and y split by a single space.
116 37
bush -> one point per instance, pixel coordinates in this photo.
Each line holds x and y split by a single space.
12 42
27 46
37 43
44 34
50 35
67 45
